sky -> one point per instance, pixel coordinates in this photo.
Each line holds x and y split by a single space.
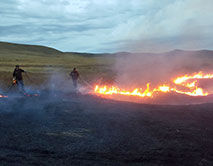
100 26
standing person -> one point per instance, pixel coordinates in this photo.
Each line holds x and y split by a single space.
17 77
74 74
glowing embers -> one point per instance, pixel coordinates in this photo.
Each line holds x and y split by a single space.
187 82
2 96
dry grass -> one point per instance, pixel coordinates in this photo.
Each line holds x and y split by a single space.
43 63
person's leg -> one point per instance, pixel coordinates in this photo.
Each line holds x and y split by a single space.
21 85
75 84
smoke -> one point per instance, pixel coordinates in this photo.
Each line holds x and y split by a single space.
136 70
130 70
57 86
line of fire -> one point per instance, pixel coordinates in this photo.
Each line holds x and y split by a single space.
186 85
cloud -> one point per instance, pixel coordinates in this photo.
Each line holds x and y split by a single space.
182 24
112 25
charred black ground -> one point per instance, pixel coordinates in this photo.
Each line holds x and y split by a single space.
58 129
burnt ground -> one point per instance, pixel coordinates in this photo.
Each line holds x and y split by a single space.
89 131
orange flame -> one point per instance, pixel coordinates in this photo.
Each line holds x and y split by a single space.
187 81
115 90
2 96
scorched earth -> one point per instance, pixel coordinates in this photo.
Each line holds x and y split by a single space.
73 129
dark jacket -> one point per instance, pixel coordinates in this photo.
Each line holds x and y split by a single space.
74 75
17 74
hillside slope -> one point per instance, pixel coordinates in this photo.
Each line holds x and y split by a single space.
44 64
23 48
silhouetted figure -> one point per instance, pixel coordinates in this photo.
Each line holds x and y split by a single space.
74 75
17 77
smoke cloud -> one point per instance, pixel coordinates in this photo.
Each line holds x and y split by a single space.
136 70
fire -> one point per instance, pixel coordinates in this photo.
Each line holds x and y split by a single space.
115 90
200 75
188 82
2 96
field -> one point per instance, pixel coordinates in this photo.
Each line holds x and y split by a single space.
60 127
43 63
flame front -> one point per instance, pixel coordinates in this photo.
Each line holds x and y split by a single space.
188 82
115 90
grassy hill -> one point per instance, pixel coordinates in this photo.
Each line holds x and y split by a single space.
44 63
23 48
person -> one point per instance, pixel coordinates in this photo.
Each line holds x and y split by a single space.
18 79
74 75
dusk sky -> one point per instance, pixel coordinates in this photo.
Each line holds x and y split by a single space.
109 25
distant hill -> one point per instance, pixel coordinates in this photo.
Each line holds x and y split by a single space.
19 48
8 48
178 52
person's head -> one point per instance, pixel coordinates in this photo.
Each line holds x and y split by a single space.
74 69
17 67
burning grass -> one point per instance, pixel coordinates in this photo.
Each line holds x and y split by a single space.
186 85
185 89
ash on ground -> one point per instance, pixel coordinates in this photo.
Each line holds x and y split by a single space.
84 130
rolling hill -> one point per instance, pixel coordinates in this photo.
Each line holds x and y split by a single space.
43 62
23 48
